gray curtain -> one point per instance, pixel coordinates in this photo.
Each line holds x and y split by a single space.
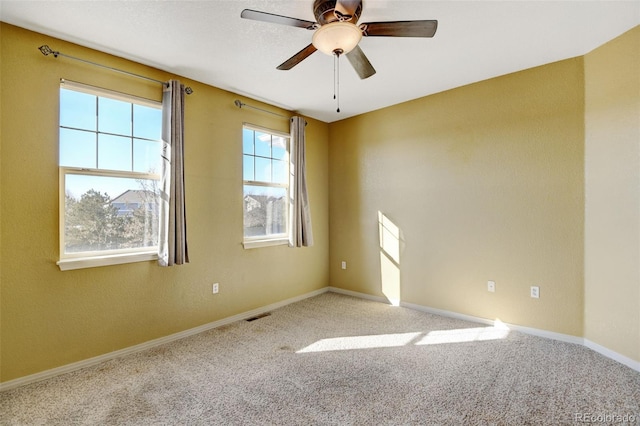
300 233
172 245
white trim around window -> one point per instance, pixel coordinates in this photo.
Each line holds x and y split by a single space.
257 243
280 183
105 260
125 171
90 259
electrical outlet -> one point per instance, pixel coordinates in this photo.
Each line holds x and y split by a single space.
535 292
491 286
344 265
216 288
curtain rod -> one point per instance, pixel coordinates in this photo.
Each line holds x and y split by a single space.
46 51
242 104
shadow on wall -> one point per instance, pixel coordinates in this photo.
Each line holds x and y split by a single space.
390 239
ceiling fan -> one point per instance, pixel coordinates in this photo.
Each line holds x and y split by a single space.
336 32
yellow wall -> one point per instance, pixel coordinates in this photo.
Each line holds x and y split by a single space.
612 174
51 318
485 182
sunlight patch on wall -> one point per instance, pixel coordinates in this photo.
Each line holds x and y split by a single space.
389 237
389 258
390 279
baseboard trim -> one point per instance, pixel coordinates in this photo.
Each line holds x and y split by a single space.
527 330
11 384
358 295
635 365
21 381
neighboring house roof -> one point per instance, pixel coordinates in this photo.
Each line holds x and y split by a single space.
133 196
256 211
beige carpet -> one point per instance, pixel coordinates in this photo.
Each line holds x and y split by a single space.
337 360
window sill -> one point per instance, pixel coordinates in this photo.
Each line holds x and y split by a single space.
95 261
251 244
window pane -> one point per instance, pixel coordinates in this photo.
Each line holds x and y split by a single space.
279 171
279 148
77 148
114 116
264 211
265 160
263 169
114 152
96 220
248 167
108 212
247 141
263 144
147 122
77 110
146 156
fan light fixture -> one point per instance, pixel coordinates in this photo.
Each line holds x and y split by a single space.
337 37
336 34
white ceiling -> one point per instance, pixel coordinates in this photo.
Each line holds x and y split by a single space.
208 41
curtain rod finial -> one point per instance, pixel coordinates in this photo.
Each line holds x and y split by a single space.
46 50
238 103
188 90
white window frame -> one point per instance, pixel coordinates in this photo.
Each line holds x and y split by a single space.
89 259
275 239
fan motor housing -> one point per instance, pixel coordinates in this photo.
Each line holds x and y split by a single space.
323 10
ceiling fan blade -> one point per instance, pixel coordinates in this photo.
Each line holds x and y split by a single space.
400 29
277 19
360 63
346 8
297 58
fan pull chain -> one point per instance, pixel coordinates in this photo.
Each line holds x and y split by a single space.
336 78
335 58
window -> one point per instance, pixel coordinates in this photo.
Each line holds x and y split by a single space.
266 186
109 147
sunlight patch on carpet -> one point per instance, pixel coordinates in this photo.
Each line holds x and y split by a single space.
436 337
463 335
